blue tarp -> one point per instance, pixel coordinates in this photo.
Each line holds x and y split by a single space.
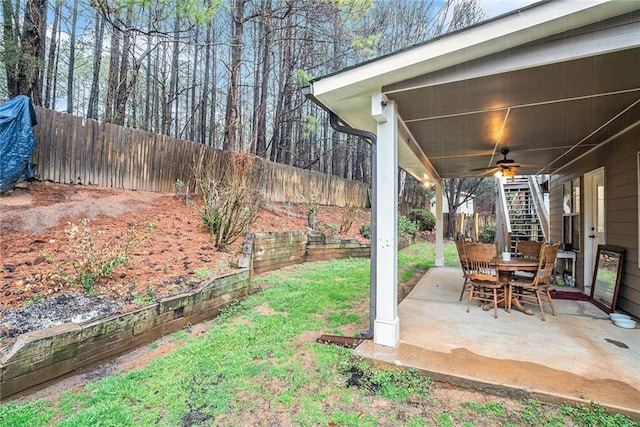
17 117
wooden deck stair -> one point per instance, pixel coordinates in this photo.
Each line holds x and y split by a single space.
525 221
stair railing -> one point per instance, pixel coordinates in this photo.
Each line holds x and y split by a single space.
503 223
541 208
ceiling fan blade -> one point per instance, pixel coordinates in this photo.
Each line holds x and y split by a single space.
486 171
506 165
490 168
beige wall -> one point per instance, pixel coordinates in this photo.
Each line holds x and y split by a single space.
619 158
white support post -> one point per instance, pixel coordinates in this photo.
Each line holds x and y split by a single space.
439 262
387 325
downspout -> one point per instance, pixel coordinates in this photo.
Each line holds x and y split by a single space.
373 139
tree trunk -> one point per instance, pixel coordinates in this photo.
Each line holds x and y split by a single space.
261 122
194 84
166 102
158 95
112 83
54 85
123 84
173 83
92 109
149 99
281 140
231 113
205 86
214 93
72 57
52 56
33 36
12 54
257 48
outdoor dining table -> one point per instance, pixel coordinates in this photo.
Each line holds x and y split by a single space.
507 267
505 271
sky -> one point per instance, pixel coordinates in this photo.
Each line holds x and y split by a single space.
498 7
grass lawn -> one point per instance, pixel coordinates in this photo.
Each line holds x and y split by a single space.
259 364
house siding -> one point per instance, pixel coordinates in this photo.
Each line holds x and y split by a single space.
619 158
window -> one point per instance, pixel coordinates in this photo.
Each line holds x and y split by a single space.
571 214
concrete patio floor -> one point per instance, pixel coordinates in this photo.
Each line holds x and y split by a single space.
577 356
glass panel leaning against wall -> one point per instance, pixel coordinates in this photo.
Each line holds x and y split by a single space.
571 214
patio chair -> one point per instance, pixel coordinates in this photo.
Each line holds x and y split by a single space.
483 276
531 291
527 249
463 264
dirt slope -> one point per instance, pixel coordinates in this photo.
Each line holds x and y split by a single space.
38 222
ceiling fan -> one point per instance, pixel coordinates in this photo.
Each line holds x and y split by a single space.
504 167
507 166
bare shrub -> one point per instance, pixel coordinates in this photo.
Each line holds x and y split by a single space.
350 210
231 201
312 203
182 190
92 255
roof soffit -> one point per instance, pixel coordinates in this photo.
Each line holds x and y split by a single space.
620 34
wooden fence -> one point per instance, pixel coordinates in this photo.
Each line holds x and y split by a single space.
474 226
75 150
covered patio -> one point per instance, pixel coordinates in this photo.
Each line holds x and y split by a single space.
553 82
557 84
576 356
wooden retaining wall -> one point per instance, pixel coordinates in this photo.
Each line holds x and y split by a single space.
272 251
39 356
324 248
281 249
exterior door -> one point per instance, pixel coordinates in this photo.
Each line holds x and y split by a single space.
594 220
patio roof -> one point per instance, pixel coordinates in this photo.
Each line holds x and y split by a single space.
550 82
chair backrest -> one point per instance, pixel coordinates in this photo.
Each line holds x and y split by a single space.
480 258
528 248
462 257
548 255
460 247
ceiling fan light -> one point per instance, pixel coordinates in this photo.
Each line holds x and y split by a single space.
508 173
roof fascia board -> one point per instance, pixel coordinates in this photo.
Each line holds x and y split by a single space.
507 32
